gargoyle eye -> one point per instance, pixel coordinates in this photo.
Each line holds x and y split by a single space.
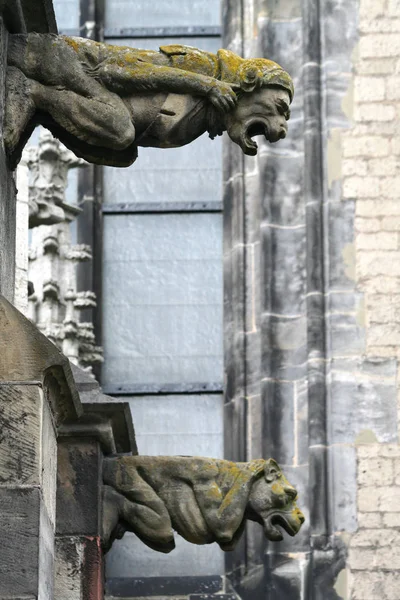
284 110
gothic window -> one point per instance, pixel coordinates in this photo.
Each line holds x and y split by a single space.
158 228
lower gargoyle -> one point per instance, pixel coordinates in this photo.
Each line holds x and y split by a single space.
205 500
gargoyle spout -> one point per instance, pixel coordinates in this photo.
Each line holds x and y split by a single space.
104 101
205 500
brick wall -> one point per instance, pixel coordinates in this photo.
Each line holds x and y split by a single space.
371 175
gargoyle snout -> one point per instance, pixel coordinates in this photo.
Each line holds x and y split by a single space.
300 516
283 131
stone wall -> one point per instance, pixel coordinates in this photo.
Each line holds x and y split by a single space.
374 558
371 176
311 293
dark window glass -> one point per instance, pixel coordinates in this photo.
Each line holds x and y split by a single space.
161 13
67 14
163 298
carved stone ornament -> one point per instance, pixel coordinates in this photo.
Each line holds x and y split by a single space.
104 101
204 499
49 164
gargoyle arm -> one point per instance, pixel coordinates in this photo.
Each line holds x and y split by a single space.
142 76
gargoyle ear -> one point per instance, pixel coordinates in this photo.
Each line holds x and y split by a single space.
271 470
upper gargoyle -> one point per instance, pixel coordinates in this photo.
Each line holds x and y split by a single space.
104 101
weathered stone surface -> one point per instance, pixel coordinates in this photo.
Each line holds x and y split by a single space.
291 264
7 191
79 568
78 488
185 81
205 500
30 357
21 409
26 567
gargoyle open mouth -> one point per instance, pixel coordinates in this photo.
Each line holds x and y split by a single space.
289 521
259 127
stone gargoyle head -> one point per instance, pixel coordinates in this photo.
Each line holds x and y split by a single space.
205 500
264 93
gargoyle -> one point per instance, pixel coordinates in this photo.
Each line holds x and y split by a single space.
205 500
104 101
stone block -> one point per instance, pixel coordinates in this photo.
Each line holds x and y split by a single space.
354 167
369 89
361 559
367 586
394 8
31 357
376 66
392 88
26 567
343 466
78 568
279 421
281 190
375 112
79 488
287 364
361 187
301 408
380 45
384 167
388 558
384 334
382 240
368 500
391 585
389 500
360 403
375 538
340 217
390 223
375 471
391 519
20 441
370 520
283 252
368 146
389 450
390 187
378 208
345 336
380 26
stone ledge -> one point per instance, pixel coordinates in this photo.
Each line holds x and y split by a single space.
30 358
108 421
